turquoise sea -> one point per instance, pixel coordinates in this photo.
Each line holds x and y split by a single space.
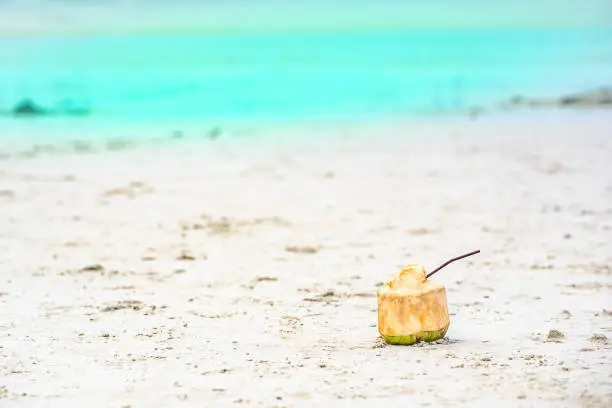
240 76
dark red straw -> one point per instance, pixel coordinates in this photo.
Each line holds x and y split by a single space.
452 260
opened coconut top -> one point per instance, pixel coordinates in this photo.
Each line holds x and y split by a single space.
410 280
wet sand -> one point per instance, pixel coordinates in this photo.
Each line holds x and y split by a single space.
236 272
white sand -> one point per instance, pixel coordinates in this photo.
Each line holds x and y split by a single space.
245 321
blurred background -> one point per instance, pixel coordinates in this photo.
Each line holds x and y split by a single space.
163 61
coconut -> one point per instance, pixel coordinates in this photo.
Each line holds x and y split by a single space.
411 308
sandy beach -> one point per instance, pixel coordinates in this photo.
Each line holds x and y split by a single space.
242 271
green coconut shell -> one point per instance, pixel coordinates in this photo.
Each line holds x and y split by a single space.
425 336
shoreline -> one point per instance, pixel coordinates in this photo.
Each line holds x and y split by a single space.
31 136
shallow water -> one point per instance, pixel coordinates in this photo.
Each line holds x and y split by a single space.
284 75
